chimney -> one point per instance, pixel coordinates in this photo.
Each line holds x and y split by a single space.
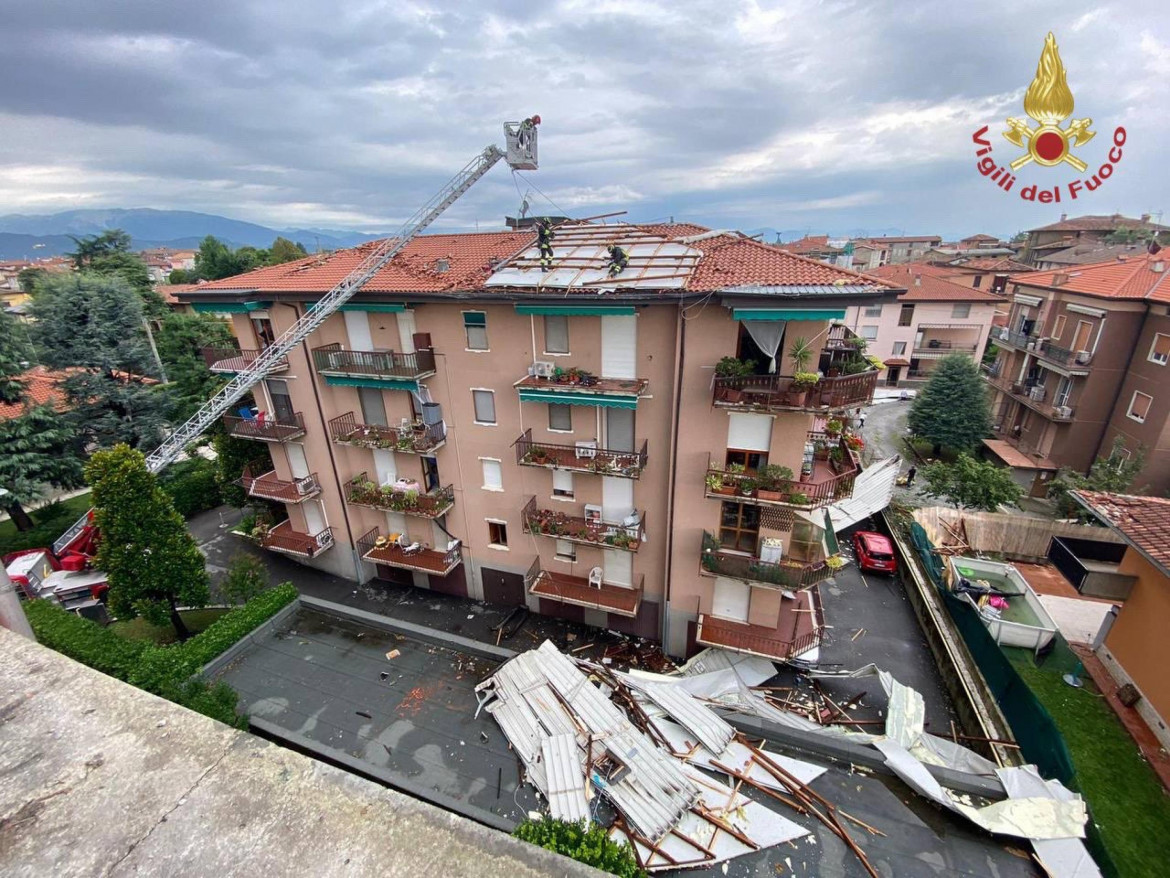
1157 266
1145 217
1063 217
1059 279
917 280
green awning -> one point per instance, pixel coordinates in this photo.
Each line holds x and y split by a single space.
229 307
831 535
582 398
380 383
582 310
377 307
787 314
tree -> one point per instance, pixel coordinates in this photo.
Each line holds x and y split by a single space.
92 323
40 449
153 563
971 483
29 278
180 341
183 276
952 409
246 577
216 260
1114 473
109 254
14 358
283 250
1130 236
585 842
231 456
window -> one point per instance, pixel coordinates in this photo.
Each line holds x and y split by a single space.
739 527
906 316
1160 349
752 460
282 407
493 474
485 406
556 334
899 348
873 311
977 281
566 551
869 333
265 337
961 309
1058 327
498 534
475 323
373 407
1139 406
560 417
562 484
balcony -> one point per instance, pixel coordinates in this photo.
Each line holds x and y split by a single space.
266 427
586 531
388 550
791 575
574 386
797 631
362 491
937 347
623 600
283 538
1074 361
768 393
411 438
229 361
268 487
1004 336
831 480
584 457
334 361
1034 396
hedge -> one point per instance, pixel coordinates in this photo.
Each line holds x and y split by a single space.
589 844
166 671
192 486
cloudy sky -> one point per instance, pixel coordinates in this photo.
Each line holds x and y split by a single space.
834 116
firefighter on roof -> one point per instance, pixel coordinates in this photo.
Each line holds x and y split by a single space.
544 239
618 260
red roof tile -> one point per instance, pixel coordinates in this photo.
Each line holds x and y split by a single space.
732 260
927 283
1140 277
902 239
1144 521
1098 223
41 386
993 263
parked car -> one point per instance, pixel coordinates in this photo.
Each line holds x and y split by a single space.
874 552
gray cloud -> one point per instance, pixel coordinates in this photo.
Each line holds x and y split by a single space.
836 116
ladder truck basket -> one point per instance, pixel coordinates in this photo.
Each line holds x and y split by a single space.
521 141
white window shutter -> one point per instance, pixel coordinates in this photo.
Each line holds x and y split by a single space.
749 432
493 476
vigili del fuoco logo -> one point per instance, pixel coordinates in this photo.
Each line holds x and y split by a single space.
1050 144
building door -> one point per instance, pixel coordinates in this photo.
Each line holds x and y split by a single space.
502 587
739 527
430 468
893 373
619 429
282 407
619 346
731 600
357 327
314 517
373 406
297 461
1063 390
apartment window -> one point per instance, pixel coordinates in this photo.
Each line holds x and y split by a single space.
869 333
906 317
977 281
493 474
899 348
566 551
1120 458
262 327
562 484
739 527
498 534
373 407
873 311
1139 406
1058 327
556 334
961 309
749 460
475 324
560 417
1160 349
485 406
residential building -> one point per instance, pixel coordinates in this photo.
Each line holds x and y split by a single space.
933 318
474 425
977 242
870 253
1135 649
819 248
161 261
1088 253
1081 230
1083 361
990 273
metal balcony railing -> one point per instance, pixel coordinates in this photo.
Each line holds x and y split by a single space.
333 360
791 575
583 530
269 487
235 359
770 392
362 491
413 438
283 538
583 457
266 426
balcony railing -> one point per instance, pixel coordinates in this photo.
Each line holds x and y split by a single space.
579 591
573 381
842 338
333 360
773 392
792 575
283 538
1064 356
936 347
586 531
269 487
584 457
413 438
396 551
266 427
830 480
1019 340
232 360
802 634
1034 396
362 491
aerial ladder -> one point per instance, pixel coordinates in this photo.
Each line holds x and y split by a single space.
521 154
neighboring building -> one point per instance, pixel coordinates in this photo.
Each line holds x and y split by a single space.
977 242
1084 254
933 318
161 261
1135 649
445 404
818 247
870 253
1081 230
989 273
170 294
1083 360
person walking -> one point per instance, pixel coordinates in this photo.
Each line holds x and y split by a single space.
861 418
910 474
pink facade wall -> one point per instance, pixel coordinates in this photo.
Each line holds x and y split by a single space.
973 329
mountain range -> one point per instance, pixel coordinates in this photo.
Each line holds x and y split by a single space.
29 236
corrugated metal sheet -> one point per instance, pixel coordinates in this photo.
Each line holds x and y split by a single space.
565 770
690 713
872 491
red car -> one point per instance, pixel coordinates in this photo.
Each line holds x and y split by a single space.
874 552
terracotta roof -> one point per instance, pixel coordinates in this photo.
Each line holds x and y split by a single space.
928 283
810 244
170 292
1143 521
1093 251
903 239
41 386
1130 278
1098 223
731 260
979 237
993 263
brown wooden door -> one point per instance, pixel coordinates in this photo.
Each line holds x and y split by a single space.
502 587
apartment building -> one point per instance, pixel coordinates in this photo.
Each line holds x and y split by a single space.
1081 230
818 247
473 424
933 318
1082 361
870 253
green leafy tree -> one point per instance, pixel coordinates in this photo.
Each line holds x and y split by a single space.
231 456
183 276
971 483
180 341
216 260
1019 238
283 250
1114 473
92 323
14 359
153 563
109 254
587 843
246 577
29 278
953 408
1130 236
39 451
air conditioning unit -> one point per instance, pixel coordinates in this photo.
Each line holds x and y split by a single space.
543 369
1037 394
1083 357
1062 411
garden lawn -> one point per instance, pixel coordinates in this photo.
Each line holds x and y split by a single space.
50 522
140 629
1129 805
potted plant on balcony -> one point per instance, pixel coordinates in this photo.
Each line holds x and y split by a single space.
772 479
798 498
854 441
538 454
836 458
834 427
820 450
747 486
802 383
732 367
